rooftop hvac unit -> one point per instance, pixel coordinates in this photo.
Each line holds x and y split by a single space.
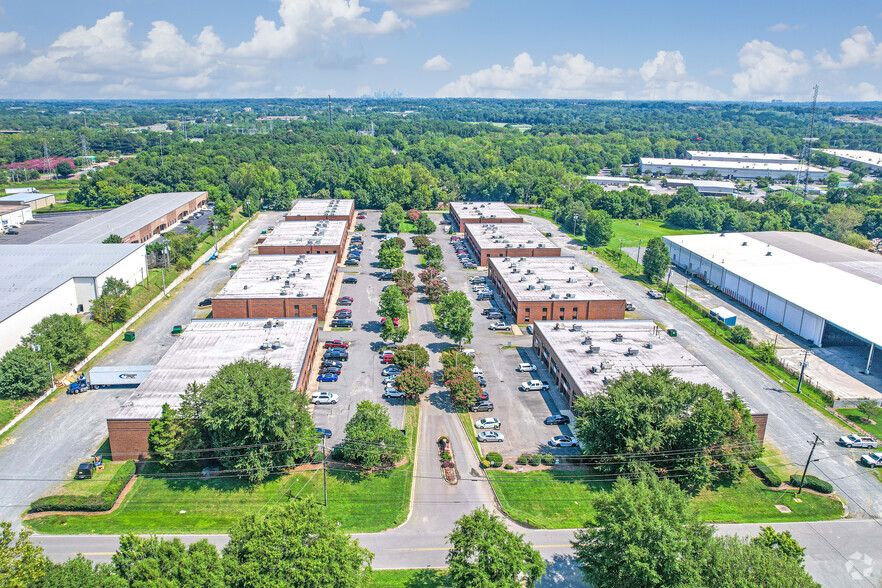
283 293
568 295
268 324
265 345
572 267
606 365
555 295
519 244
482 206
505 260
275 277
744 244
301 294
245 287
571 280
531 287
299 262
308 276
529 272
768 253
287 283
546 287
594 349
529 240
648 345
558 326
540 281
541 245
277 344
576 327
632 351
523 279
595 369
618 338
492 216
515 270
523 259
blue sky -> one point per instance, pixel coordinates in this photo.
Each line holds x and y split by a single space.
744 50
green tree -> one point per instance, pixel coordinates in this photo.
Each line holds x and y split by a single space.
108 309
656 260
251 406
150 561
677 171
411 354
656 421
370 440
740 335
455 317
462 385
833 180
424 225
113 238
62 338
64 169
165 436
452 357
782 543
732 562
390 258
598 228
413 381
389 332
485 553
405 282
393 304
645 533
390 222
433 256
420 242
80 573
294 544
765 352
23 373
22 564
115 287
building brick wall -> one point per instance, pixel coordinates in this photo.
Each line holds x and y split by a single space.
128 439
301 249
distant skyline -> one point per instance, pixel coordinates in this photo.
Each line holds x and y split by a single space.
746 50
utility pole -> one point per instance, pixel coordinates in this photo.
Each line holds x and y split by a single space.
324 471
809 460
802 372
668 284
214 230
162 272
637 261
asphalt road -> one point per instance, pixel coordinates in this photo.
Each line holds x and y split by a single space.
43 451
44 225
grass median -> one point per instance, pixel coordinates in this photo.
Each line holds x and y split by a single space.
420 578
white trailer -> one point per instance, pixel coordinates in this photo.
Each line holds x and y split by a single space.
128 376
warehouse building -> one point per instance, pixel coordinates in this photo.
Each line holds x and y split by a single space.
33 200
611 181
871 159
738 170
312 237
807 284
138 221
40 280
203 348
14 214
278 286
706 187
463 213
741 157
582 356
508 240
316 209
552 288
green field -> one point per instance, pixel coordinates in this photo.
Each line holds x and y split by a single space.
634 230
422 578
854 415
563 499
67 207
360 503
10 407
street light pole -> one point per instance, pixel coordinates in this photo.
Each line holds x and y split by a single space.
809 460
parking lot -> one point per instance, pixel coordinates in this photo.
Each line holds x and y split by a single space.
360 378
45 225
498 354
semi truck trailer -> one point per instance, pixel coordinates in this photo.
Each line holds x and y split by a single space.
110 377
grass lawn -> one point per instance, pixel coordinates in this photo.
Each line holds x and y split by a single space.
361 503
10 407
421 578
406 227
633 230
67 207
563 499
855 414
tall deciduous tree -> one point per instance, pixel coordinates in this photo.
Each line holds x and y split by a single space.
454 314
411 354
23 373
22 564
462 385
61 337
80 573
424 225
371 441
598 228
109 308
485 553
150 561
656 260
393 304
413 381
165 436
390 258
433 256
113 238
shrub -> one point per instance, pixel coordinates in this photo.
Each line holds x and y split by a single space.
182 264
812 483
508 466
317 457
446 455
740 335
535 459
766 473
485 464
524 459
92 502
547 459
494 458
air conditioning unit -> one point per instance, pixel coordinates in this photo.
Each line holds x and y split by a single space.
546 287
632 351
571 280
576 327
523 279
568 295
531 287
555 295
618 338
594 349
595 369
283 293
277 344
529 272
541 245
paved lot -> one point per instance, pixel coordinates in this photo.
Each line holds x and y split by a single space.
44 225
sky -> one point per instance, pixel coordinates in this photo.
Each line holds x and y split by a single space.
642 49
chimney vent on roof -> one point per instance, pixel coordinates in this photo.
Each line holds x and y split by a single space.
768 253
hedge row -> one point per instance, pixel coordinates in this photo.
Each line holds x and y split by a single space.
768 474
535 459
812 483
92 503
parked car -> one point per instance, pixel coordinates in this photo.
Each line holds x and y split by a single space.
386 359
350 262
629 307
341 323
534 386
494 314
336 354
477 372
386 277
12 232
500 326
476 280
330 370
491 437
481 381
484 295
389 379
872 460
859 441
470 266
324 398
328 377
488 423
336 344
393 393
557 419
343 313
331 364
654 294
526 367
483 406
350 280
487 311
205 302
563 441
326 433
361 216
84 471
345 300
392 369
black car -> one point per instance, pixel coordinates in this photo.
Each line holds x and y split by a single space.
484 406
330 370
12 232
336 355
487 311
386 277
342 323
326 433
557 419
350 280
84 471
482 382
351 262
206 302
327 364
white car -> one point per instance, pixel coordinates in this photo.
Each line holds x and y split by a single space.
491 437
500 326
534 386
859 441
389 379
480 288
872 460
654 294
393 393
526 367
563 441
324 398
477 372
488 423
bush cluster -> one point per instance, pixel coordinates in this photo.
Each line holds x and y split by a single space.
495 459
89 503
812 483
767 474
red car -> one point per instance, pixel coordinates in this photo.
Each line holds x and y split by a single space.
386 359
394 321
344 301
336 344
362 215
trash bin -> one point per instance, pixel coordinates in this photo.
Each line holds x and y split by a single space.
672 332
129 336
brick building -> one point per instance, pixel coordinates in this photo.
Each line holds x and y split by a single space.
462 213
278 286
203 348
315 237
315 209
508 240
552 288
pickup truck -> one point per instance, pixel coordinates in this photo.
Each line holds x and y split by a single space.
500 326
534 386
858 441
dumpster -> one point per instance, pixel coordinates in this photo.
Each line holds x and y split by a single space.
177 330
129 336
672 332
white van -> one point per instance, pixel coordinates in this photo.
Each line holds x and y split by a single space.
477 372
469 352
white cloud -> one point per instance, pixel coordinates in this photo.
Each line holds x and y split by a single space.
666 79
498 81
858 49
437 63
575 76
428 7
307 25
380 61
865 91
767 70
781 27
11 43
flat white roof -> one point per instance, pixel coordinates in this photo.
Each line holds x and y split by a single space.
863 156
540 278
281 276
322 207
303 233
742 156
837 296
707 184
482 210
207 345
720 164
572 346
508 236
18 197
607 179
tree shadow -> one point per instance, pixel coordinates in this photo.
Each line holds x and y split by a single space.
372 326
439 347
562 570
441 400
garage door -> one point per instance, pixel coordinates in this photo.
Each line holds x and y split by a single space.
775 308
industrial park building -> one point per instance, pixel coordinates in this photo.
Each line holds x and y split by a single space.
742 157
552 288
508 240
819 289
316 237
278 286
15 214
462 213
582 356
203 348
871 159
33 200
316 209
705 187
138 221
739 170
41 280
613 181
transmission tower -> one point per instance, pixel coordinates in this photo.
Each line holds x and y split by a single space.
805 156
85 146
46 164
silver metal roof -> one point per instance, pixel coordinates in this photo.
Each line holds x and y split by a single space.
564 279
322 207
483 210
281 276
17 197
508 236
